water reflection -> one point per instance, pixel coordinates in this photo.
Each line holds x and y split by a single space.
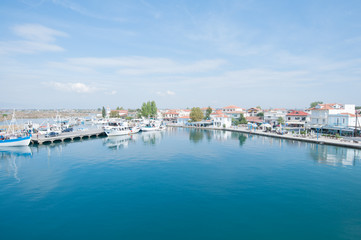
117 142
335 156
152 138
8 159
197 136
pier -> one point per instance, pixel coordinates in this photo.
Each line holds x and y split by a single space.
320 140
40 139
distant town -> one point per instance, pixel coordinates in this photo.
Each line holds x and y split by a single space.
332 118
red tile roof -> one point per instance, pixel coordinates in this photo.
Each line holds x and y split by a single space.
254 119
297 113
230 107
327 106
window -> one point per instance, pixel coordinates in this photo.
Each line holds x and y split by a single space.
289 118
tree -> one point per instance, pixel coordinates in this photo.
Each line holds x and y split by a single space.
259 107
153 109
196 114
281 121
260 114
314 104
120 108
104 113
242 119
149 109
208 113
114 114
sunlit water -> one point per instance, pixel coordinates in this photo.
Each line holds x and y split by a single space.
180 184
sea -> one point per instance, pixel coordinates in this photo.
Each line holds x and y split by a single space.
180 184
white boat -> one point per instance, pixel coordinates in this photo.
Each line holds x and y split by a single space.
149 128
134 130
12 138
117 129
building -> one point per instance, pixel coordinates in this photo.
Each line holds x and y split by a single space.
320 113
252 112
344 120
183 120
298 119
221 120
233 111
271 116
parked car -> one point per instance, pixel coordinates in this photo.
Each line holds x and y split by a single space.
51 134
68 130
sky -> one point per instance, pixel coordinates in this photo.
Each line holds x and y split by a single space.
89 54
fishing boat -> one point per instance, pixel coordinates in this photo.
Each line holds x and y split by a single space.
117 130
12 138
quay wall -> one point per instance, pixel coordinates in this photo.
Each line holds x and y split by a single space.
320 140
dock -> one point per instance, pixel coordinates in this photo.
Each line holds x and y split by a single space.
41 139
320 140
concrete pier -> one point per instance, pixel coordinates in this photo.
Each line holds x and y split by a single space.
320 140
40 139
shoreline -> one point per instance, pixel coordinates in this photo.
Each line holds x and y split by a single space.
320 140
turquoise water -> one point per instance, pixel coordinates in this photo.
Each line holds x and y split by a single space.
180 184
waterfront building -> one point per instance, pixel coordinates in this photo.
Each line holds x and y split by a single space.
344 120
183 121
299 119
252 112
254 119
221 120
271 116
320 113
233 111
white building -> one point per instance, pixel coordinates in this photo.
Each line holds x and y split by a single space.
343 120
272 116
297 119
183 120
233 111
221 120
320 113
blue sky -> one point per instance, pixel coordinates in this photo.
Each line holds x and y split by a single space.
87 54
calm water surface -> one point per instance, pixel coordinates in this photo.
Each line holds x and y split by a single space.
180 184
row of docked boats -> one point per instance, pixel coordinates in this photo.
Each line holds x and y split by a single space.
124 128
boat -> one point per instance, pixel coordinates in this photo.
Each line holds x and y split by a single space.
151 126
12 138
117 129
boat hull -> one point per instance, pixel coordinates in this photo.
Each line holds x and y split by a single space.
17 142
150 129
117 133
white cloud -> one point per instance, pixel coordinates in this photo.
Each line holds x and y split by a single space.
37 33
73 87
166 93
35 38
136 65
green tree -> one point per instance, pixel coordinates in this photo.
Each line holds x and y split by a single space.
280 120
260 114
242 119
149 109
114 114
314 104
153 109
104 113
196 114
120 108
208 113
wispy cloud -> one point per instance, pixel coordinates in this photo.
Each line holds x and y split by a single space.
73 87
35 38
76 7
166 93
137 65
